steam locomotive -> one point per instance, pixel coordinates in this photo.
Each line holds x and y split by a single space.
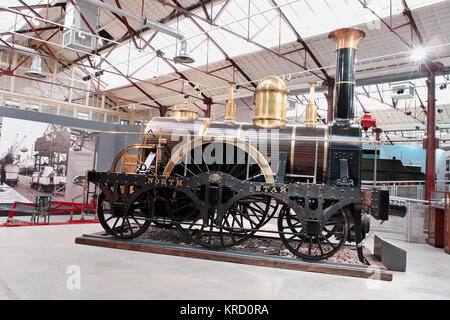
220 183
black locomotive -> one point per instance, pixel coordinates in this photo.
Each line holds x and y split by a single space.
220 183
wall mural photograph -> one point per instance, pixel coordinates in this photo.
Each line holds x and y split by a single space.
39 158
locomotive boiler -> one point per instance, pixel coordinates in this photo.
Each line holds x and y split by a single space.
220 183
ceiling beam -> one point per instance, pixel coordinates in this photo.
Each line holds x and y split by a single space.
182 76
205 11
31 9
388 78
125 23
300 40
177 6
411 22
226 56
37 6
407 12
140 31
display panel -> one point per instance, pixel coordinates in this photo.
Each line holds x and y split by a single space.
38 158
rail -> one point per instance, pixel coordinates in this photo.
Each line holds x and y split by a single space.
412 227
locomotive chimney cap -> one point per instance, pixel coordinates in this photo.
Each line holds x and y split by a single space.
347 37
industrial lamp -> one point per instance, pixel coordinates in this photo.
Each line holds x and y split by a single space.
183 56
36 68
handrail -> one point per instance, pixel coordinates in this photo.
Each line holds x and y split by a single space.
242 137
410 199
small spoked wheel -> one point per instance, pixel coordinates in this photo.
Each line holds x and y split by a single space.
125 223
310 242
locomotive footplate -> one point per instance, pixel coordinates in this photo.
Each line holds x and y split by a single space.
218 211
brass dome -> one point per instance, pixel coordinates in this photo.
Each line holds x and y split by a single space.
270 111
272 83
184 114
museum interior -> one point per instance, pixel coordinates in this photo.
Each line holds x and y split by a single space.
224 150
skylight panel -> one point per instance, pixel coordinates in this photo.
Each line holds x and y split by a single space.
308 17
8 19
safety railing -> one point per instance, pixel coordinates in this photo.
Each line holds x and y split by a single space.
412 227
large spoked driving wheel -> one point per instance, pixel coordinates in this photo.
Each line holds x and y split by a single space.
236 225
309 242
243 217
125 223
185 214
223 158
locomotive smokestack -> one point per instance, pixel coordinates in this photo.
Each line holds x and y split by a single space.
344 91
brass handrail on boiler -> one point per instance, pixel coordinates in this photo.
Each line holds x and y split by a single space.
243 137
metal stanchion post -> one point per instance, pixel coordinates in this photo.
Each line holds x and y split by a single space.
408 223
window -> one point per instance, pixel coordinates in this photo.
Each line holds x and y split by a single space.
4 56
109 104
124 122
63 71
77 76
98 116
42 89
11 102
5 82
95 100
31 105
61 92
111 119
83 114
66 111
22 85
122 109
49 108
79 96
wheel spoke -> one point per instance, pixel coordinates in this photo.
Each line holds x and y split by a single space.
129 225
132 217
300 244
115 223
320 246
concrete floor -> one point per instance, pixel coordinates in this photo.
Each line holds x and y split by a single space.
37 263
